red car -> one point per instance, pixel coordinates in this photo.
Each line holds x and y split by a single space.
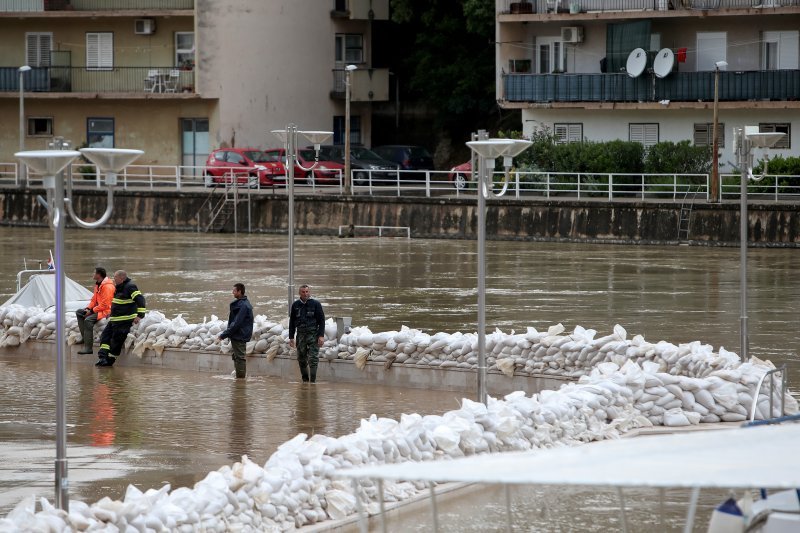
325 172
251 167
460 175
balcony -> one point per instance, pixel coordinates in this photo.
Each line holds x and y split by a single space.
564 10
33 6
367 85
360 9
141 80
776 85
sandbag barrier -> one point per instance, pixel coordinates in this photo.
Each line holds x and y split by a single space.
651 384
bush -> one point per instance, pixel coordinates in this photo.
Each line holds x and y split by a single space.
677 158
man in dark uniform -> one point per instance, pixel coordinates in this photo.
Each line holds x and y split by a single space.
240 329
307 318
127 308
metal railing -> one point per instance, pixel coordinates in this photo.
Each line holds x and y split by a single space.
517 7
771 375
101 80
780 85
93 5
433 183
352 230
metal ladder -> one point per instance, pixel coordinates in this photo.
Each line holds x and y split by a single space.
221 211
686 213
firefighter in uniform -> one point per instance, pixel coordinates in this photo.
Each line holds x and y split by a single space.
127 308
308 319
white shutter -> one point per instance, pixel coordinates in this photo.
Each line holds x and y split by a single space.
574 133
100 50
561 132
37 49
711 47
787 50
647 134
701 135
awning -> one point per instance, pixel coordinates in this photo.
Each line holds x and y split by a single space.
736 458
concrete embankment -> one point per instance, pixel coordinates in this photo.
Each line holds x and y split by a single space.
534 219
338 370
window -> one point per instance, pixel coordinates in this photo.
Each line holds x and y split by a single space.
184 49
519 66
647 134
779 51
355 129
349 48
236 159
100 132
704 134
100 51
37 49
40 126
778 127
568 133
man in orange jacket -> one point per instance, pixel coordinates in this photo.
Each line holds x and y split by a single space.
99 308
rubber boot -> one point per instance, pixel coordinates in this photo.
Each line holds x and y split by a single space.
313 375
241 369
304 373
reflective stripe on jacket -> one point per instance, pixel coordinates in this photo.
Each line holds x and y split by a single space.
101 299
128 302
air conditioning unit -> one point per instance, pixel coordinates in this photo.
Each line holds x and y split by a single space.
144 26
572 34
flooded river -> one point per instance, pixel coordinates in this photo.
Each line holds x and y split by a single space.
156 426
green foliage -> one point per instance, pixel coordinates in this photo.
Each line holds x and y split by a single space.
677 158
787 166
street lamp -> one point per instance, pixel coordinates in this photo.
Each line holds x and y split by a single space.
714 195
347 179
288 137
745 139
488 149
50 164
22 70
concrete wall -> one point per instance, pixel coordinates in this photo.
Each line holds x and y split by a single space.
634 222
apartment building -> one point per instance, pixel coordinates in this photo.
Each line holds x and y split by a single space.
179 78
570 65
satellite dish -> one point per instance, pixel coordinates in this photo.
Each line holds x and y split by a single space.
663 63
637 60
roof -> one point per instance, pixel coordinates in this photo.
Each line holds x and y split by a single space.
40 291
736 458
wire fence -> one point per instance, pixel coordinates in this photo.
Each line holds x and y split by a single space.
551 186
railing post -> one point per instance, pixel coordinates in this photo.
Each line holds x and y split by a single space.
720 187
776 188
547 186
150 176
427 184
675 187
642 177
369 180
178 178
610 186
516 173
578 182
398 183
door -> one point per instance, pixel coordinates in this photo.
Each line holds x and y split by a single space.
194 145
711 47
780 50
550 55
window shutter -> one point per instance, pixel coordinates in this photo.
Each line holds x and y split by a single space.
701 135
650 134
636 133
574 133
562 133
37 49
100 50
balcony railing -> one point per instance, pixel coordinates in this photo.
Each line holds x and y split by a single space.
113 80
517 7
677 87
93 5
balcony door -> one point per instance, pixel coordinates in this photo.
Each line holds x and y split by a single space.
780 50
550 55
194 145
712 46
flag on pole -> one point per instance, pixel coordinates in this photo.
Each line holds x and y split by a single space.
51 265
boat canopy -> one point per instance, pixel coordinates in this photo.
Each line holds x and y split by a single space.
40 291
731 458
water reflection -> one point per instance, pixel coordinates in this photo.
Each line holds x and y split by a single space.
240 421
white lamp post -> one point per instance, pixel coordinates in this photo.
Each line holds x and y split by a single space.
347 178
745 140
22 70
715 192
488 149
288 137
50 163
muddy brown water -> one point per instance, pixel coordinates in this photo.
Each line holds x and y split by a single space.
150 426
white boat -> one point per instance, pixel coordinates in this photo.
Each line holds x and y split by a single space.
740 458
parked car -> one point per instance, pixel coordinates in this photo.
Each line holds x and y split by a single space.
408 157
364 163
460 175
251 166
325 172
